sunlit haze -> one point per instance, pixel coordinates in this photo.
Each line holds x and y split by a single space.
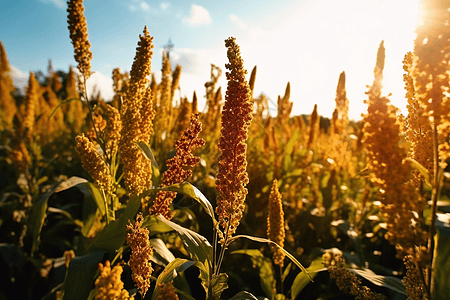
306 43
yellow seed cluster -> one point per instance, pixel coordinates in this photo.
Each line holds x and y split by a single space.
412 282
7 105
93 163
314 126
385 158
275 224
109 286
142 251
176 173
31 103
418 134
21 158
284 106
349 283
167 292
430 71
112 131
79 36
137 114
236 119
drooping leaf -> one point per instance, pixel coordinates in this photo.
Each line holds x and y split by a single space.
302 280
154 226
148 153
266 274
91 194
243 296
263 240
37 218
389 282
176 266
161 254
113 235
80 275
198 246
69 183
189 190
425 173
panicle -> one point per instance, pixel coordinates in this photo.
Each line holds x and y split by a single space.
79 36
31 105
109 286
414 286
284 106
275 224
7 104
314 126
21 158
167 292
137 114
112 130
93 163
349 283
176 173
418 134
237 114
142 251
386 159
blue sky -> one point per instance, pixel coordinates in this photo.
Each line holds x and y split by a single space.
306 42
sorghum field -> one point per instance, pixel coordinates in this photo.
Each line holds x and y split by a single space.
144 197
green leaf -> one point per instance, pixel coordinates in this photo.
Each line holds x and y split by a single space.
92 203
198 246
389 282
148 153
81 275
113 235
189 190
263 240
61 103
170 272
161 254
243 296
154 226
442 263
266 274
218 285
302 280
286 271
426 175
37 217
93 193
288 149
182 294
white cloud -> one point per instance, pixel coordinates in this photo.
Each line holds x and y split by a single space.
235 19
145 6
58 3
102 83
165 5
196 70
199 16
139 5
20 78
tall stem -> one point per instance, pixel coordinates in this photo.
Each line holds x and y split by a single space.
434 198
